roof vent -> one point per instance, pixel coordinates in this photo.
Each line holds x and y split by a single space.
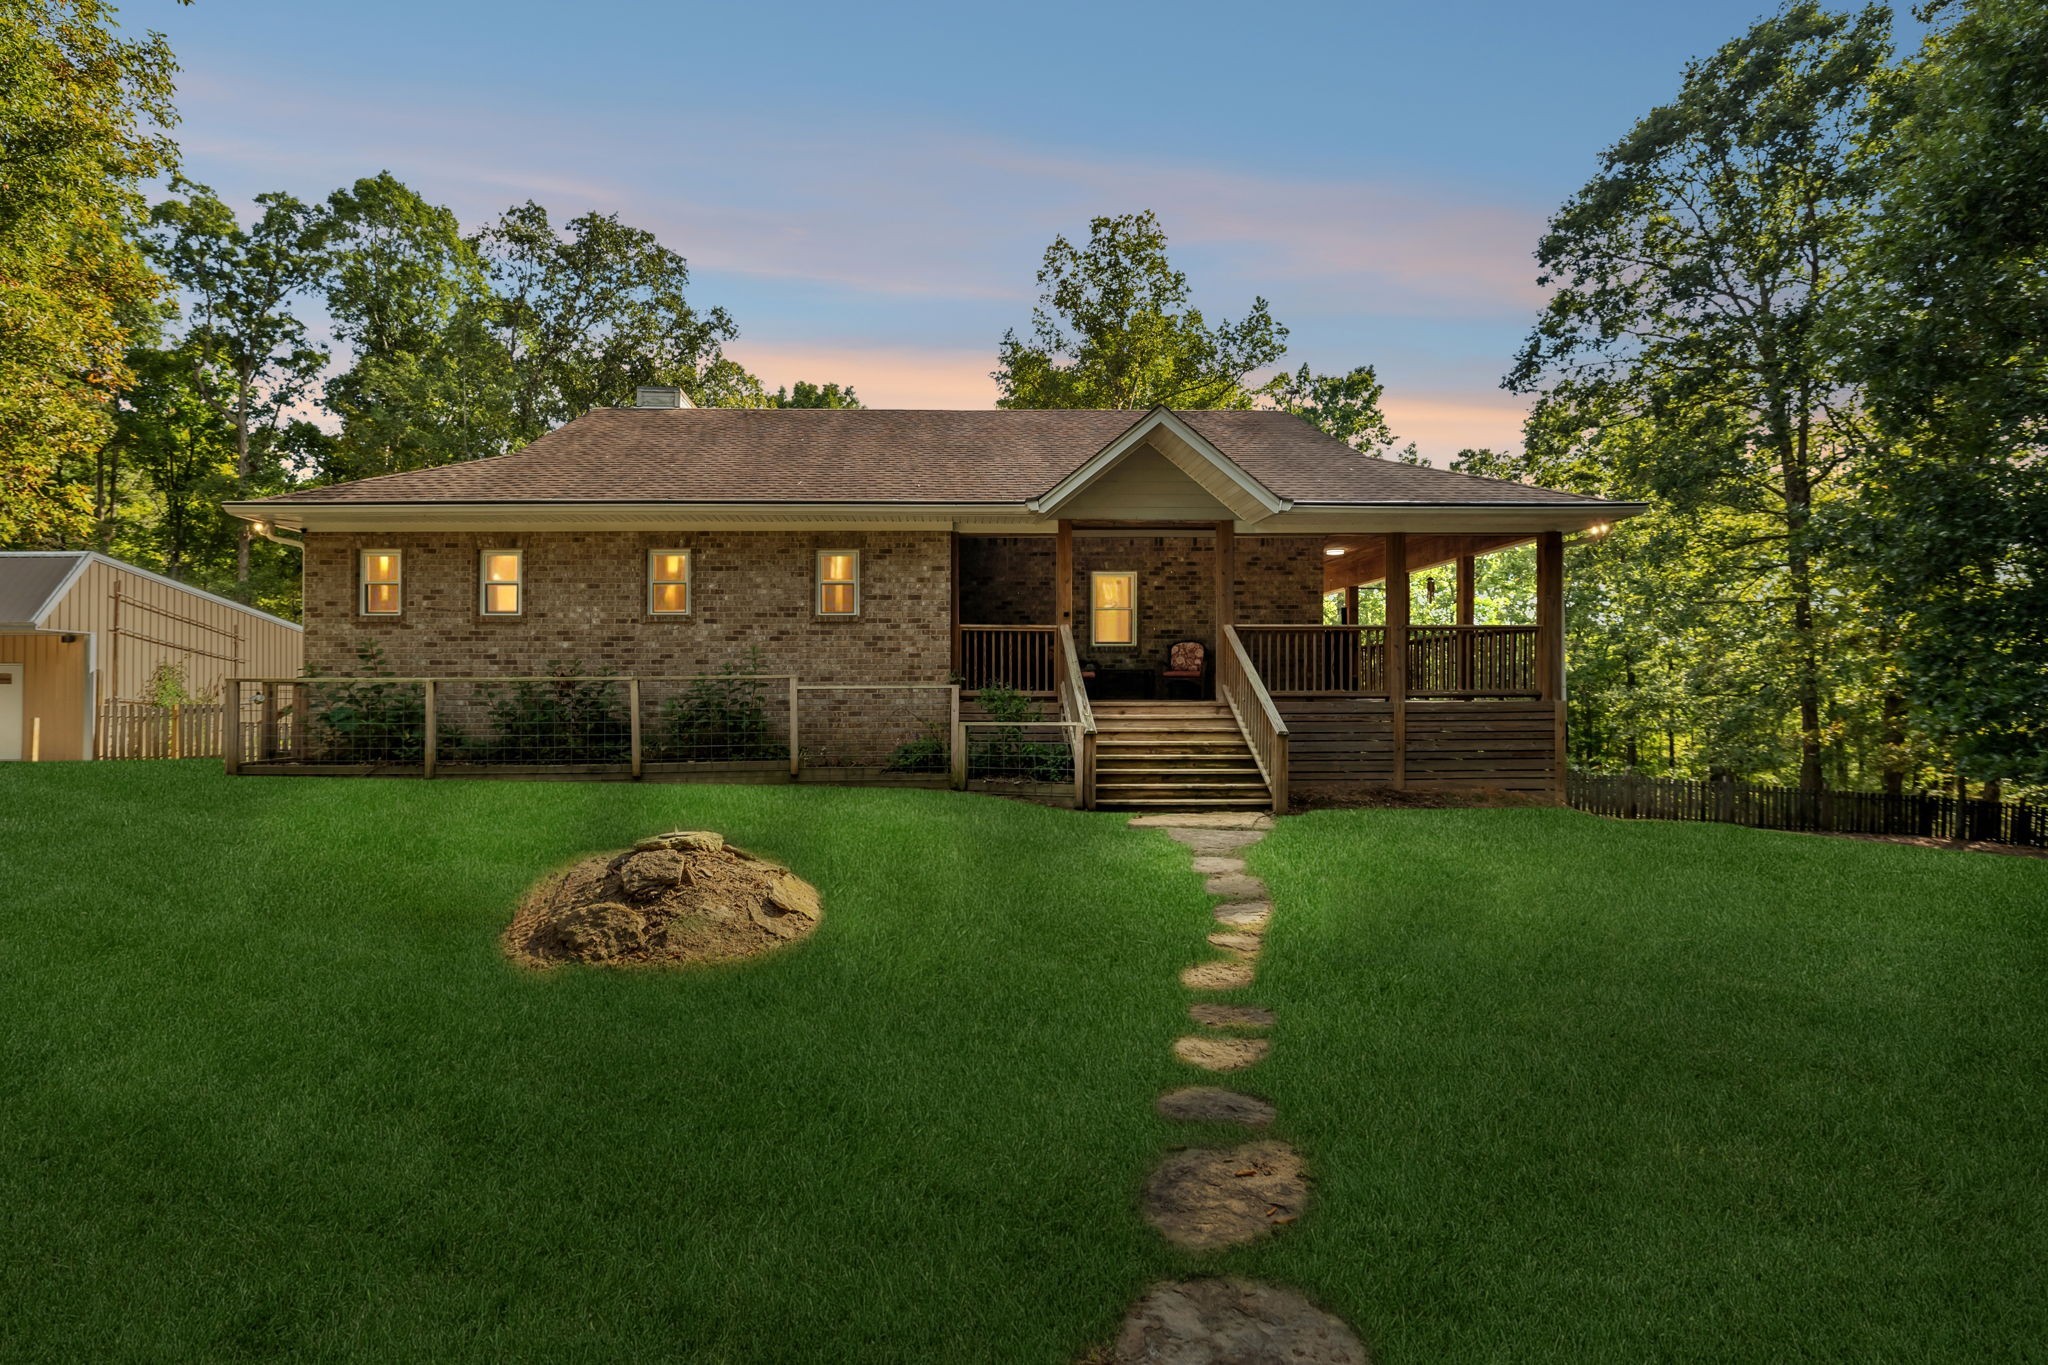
659 396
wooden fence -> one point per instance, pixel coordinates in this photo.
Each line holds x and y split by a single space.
1632 796
140 729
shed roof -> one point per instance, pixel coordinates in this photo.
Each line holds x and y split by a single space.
31 582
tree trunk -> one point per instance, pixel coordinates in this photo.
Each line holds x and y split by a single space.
244 535
1799 573
1894 744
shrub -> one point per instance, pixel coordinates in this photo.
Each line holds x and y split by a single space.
561 719
722 718
366 721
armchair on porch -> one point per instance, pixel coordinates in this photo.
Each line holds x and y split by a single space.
1187 662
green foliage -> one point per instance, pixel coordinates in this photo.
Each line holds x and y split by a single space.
1005 752
925 754
588 311
81 119
1951 340
429 383
720 718
1113 328
808 395
1688 358
568 718
1346 406
367 720
167 686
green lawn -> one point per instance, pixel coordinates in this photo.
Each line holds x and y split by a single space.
1574 1090
267 1087
1583 1090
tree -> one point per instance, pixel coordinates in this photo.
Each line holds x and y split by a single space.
1953 348
82 114
1113 328
428 381
1688 355
808 395
587 314
250 354
1346 406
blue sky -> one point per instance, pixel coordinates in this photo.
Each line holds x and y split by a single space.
868 188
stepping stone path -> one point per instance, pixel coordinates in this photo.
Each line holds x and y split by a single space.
1205 1199
1234 1322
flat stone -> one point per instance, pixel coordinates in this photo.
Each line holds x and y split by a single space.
1236 941
1233 1322
1207 1198
1218 819
1209 866
1215 841
1245 914
1230 1016
1221 1054
1213 1104
1235 885
1217 976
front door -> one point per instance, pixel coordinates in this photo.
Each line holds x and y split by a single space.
11 686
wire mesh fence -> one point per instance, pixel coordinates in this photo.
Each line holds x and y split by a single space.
1633 796
899 732
1037 759
710 723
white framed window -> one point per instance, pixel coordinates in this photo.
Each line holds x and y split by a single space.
381 576
668 582
502 575
838 583
1113 608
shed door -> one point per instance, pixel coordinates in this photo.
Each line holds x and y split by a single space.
12 683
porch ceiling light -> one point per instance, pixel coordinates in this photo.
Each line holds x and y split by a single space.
1333 550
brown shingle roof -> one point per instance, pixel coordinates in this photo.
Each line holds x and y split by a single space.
882 455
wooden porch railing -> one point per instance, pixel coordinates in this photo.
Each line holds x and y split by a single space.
1239 685
1021 657
1075 709
1443 661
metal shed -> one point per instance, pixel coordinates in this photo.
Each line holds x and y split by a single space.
82 635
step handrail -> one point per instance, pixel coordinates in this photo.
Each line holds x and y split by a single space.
1074 708
1265 732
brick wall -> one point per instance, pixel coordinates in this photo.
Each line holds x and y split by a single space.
1008 580
586 602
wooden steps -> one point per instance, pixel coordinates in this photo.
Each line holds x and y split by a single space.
1154 755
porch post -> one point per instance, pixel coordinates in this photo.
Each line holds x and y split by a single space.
953 552
1550 640
1351 605
1225 611
1063 575
1396 543
1468 599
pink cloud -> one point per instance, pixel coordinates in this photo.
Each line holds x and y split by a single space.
883 377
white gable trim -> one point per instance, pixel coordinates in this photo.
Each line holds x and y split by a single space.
1189 451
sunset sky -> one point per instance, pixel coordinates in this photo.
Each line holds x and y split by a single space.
868 189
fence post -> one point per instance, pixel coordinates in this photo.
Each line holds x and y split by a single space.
433 738
231 725
177 731
795 749
959 756
633 723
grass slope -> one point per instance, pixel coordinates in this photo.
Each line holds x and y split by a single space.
267 1088
1579 1090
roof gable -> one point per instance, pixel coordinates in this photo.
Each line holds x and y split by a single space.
33 582
1166 436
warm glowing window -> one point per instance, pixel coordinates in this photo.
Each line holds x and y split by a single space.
383 579
1113 608
668 582
503 576
838 582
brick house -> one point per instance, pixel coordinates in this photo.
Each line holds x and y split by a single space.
1063 553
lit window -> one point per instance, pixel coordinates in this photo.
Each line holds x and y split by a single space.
383 583
1113 608
501 581
838 582
668 582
